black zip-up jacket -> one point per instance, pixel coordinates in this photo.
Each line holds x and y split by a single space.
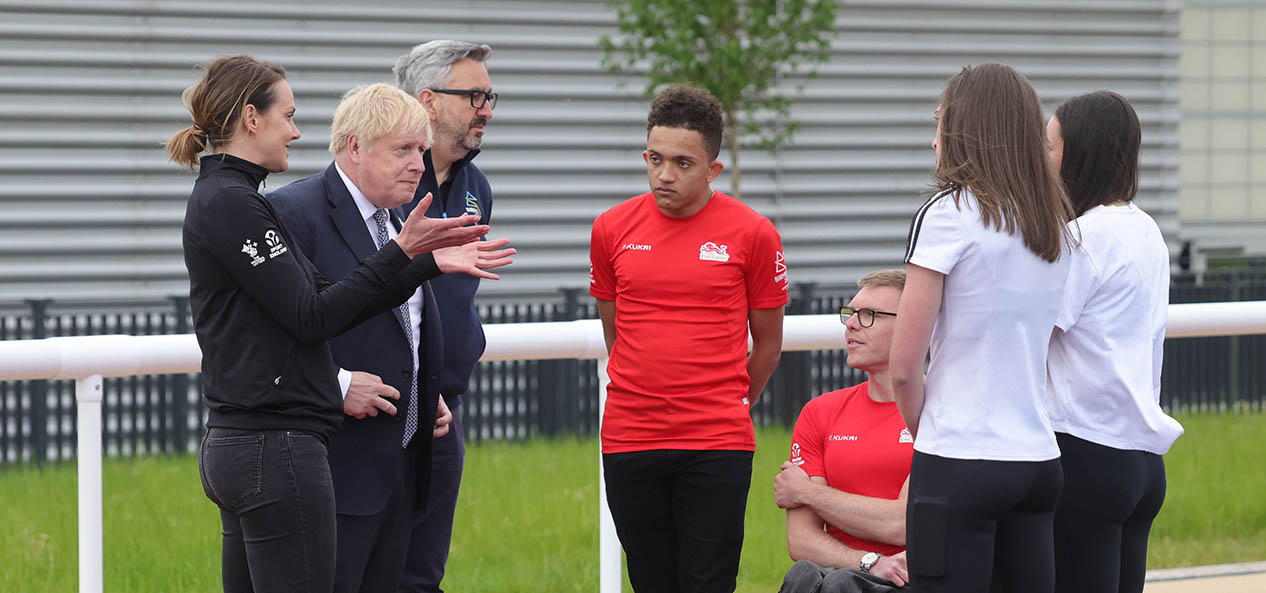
465 192
261 311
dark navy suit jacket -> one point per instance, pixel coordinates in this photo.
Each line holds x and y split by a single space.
365 455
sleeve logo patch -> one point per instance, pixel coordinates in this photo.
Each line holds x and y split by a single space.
795 454
276 246
251 249
905 436
780 270
712 252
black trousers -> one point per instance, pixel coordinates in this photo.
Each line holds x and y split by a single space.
433 528
979 525
1105 514
679 515
372 549
276 502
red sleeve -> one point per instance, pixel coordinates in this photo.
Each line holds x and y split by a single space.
807 440
601 273
767 271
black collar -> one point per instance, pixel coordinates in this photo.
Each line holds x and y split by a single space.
252 173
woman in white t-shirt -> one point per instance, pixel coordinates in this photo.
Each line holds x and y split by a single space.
1105 361
985 267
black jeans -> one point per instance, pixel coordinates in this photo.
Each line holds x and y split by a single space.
679 515
1104 517
975 525
276 504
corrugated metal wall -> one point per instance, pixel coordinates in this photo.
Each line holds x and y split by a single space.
90 209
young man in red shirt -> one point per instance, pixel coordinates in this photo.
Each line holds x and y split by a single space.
681 275
849 470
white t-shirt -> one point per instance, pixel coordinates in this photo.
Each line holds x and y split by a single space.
1105 366
985 392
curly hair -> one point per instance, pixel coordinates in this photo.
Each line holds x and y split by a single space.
691 108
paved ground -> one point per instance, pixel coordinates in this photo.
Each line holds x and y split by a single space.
1249 577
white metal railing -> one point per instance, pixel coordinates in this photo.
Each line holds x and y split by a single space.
87 359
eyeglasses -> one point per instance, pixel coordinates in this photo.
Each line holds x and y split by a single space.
865 317
477 97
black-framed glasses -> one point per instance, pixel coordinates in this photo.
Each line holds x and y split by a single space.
865 317
477 97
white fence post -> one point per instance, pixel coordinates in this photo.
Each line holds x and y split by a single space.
609 564
88 395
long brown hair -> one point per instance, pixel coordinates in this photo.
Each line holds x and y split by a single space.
228 85
1102 136
993 142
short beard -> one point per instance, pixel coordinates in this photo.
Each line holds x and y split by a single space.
459 136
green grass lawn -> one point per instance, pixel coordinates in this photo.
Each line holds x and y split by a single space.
527 520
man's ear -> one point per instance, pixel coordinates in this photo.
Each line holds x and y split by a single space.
355 150
427 98
714 170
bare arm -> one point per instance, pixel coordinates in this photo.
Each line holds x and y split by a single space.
865 517
766 328
606 310
807 541
916 315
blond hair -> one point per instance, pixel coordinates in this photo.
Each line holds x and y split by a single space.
370 112
893 277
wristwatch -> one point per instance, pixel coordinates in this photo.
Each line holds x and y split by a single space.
868 560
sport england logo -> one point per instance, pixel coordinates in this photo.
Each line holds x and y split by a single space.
905 436
472 205
251 249
780 270
275 245
711 252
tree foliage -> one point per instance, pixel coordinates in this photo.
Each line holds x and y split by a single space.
740 50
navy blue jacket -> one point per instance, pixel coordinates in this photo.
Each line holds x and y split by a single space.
465 192
365 457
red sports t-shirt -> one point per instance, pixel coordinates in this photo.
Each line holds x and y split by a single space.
859 445
682 289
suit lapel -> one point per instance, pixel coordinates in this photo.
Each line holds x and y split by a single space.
346 216
351 227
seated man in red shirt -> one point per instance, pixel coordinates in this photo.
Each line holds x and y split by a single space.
850 460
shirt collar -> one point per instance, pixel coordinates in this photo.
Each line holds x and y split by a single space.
367 209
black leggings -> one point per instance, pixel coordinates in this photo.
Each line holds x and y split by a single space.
978 525
1110 498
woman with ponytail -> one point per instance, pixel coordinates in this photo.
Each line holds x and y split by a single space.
1105 361
985 269
262 315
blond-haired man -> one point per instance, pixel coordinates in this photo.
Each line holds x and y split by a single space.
845 484
380 459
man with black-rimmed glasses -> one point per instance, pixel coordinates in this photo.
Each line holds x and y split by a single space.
451 82
849 468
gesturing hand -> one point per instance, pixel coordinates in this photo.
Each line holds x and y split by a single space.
788 484
421 234
475 257
367 394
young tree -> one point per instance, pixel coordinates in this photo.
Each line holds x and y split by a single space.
738 49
